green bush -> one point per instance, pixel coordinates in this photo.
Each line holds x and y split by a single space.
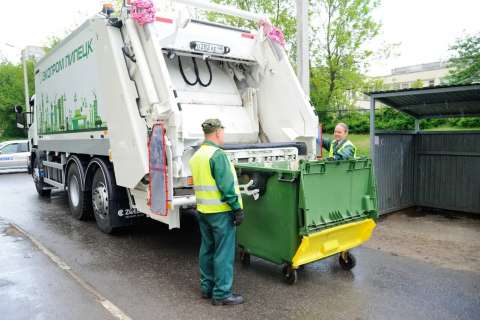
389 119
467 123
434 123
359 122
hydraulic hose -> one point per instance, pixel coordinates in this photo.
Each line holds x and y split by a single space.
198 74
183 74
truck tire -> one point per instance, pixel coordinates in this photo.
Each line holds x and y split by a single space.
79 201
38 181
107 198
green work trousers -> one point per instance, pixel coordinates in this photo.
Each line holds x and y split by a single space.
217 254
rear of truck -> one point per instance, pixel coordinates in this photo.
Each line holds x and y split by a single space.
104 89
119 106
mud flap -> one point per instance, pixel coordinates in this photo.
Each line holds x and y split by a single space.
126 216
158 183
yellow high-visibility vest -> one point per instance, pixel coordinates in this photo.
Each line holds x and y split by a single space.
346 143
209 198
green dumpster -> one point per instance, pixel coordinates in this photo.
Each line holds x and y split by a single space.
308 213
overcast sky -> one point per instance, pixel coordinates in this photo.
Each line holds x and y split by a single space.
423 28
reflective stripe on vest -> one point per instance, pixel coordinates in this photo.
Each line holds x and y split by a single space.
205 188
209 201
346 143
209 198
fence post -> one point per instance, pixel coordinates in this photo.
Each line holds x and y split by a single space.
372 128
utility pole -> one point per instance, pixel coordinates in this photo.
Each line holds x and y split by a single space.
303 50
30 52
25 81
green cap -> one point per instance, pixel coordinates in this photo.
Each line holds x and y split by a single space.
210 125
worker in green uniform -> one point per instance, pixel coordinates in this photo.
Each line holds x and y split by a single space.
340 148
220 209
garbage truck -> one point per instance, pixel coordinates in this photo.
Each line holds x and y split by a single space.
118 109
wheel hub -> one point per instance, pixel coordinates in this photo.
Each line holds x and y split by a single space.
100 200
36 175
74 191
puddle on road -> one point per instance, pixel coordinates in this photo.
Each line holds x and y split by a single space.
8 229
13 232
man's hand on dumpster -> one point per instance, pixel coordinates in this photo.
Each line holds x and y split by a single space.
238 217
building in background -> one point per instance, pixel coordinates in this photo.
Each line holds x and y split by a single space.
430 74
414 76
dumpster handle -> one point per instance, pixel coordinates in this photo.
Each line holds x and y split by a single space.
353 164
283 177
244 189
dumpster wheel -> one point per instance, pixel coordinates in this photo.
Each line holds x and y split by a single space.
244 258
347 260
290 275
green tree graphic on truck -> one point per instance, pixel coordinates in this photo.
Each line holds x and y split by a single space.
84 116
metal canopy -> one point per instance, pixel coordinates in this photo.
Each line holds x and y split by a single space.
433 102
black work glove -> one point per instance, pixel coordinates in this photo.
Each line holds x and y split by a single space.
238 216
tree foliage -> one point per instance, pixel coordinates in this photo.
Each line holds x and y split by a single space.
464 64
280 12
346 25
417 84
52 42
11 94
339 30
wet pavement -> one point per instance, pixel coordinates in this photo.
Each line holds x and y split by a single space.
150 272
32 287
443 238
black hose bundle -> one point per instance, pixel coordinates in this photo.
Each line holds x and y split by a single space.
197 74
183 74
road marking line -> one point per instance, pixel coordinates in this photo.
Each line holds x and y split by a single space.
107 304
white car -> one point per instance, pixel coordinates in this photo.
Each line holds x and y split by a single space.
14 155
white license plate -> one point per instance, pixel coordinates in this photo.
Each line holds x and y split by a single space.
209 47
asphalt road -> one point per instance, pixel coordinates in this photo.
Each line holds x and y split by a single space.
149 272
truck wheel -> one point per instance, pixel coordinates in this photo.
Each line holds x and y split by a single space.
79 201
107 199
111 205
39 184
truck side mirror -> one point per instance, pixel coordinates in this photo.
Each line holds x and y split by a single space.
18 109
20 117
